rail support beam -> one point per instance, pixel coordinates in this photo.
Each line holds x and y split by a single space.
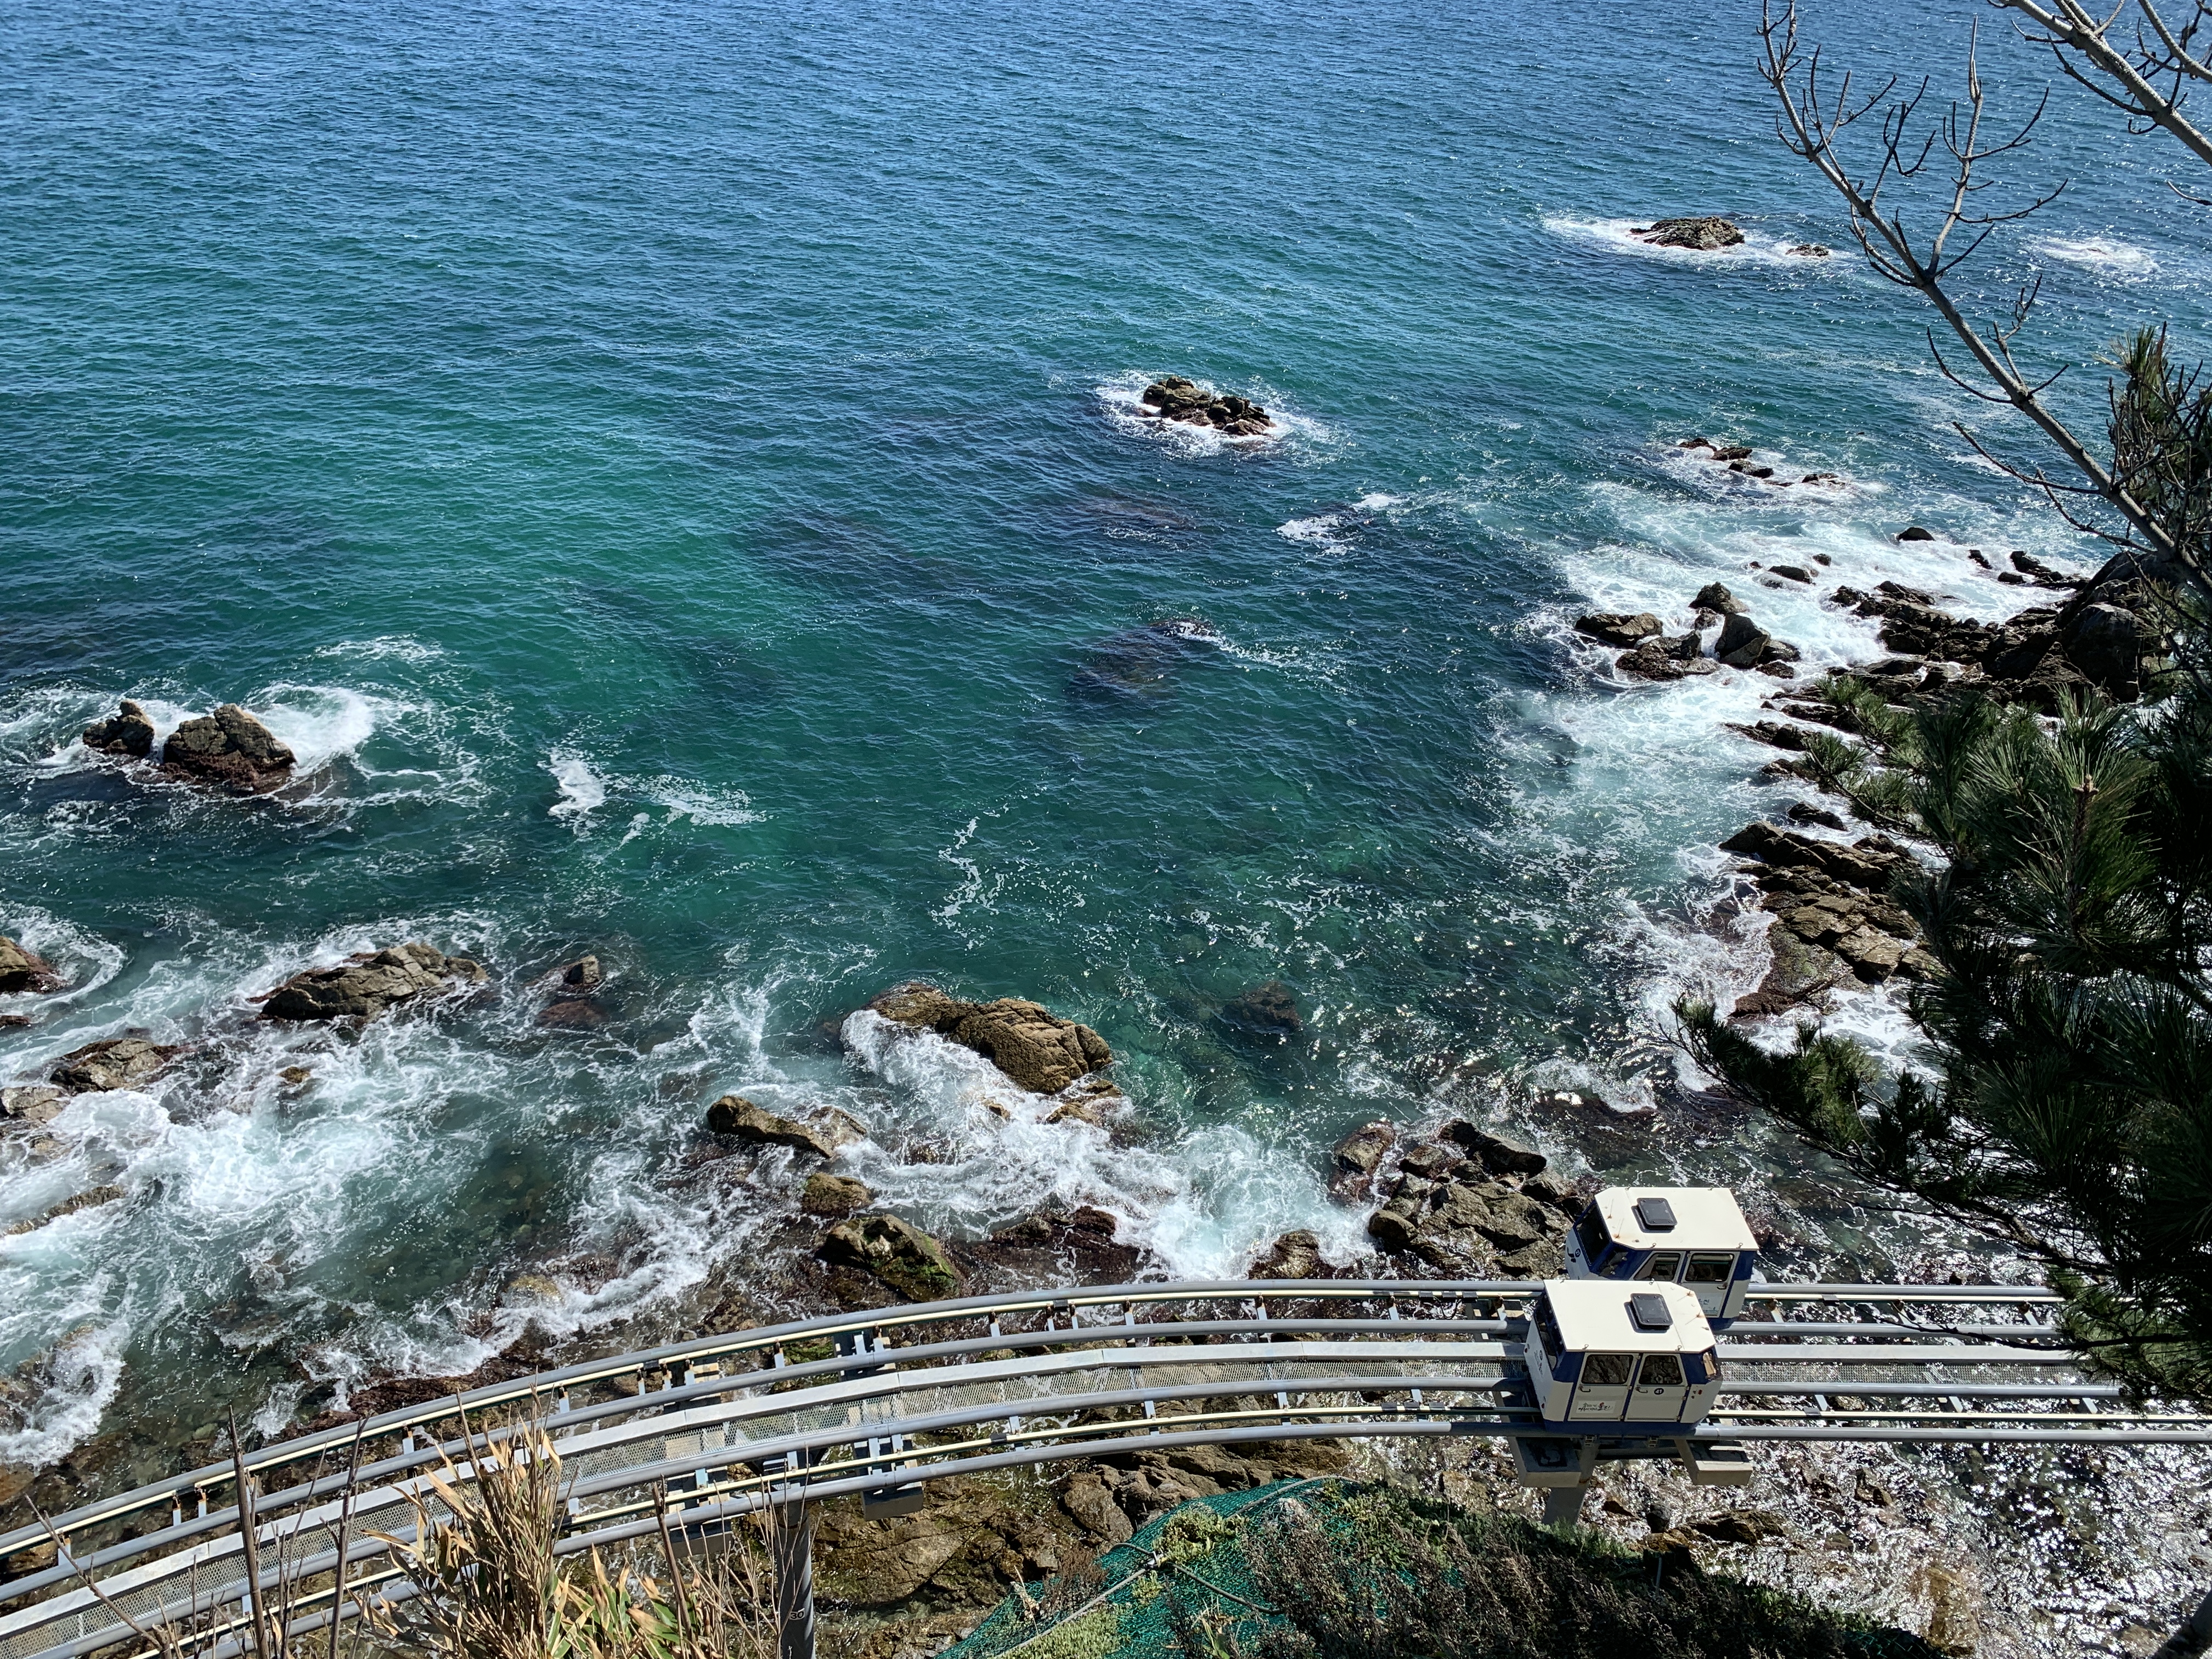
790 1532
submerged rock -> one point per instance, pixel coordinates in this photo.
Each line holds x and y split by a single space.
1616 628
1037 1048
582 976
572 1014
1268 1009
84 1200
365 985
1809 251
1705 233
1174 398
1136 663
127 731
116 1063
227 750
899 1253
25 970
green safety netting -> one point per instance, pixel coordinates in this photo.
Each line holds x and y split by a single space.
1188 1568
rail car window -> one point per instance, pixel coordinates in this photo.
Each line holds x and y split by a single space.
1548 1327
1608 1370
1710 1270
1590 1232
1661 1370
1663 1264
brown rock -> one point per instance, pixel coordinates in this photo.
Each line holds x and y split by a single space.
26 970
1663 660
1295 1255
364 986
1093 1509
1268 1009
1353 1165
35 1104
582 976
127 733
1497 1153
902 1256
1038 1050
116 1063
84 1200
574 1014
736 1116
1703 235
228 750
833 1195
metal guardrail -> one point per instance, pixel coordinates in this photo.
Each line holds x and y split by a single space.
743 1422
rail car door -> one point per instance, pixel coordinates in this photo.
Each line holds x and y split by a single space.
1602 1392
1661 1392
1709 1274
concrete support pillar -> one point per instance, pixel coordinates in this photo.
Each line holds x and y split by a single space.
791 1531
1562 1505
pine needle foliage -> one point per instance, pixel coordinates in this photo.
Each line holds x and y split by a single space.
2068 1099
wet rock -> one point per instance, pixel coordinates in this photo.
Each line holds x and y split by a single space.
227 750
905 1258
1294 1254
26 970
1092 1100
1616 628
1136 665
1353 1163
1771 733
581 977
1038 1050
1869 862
1703 235
84 1200
365 985
1715 598
127 733
1268 1009
1502 1155
116 1063
572 1014
1809 251
1051 1247
2106 644
1176 398
33 1105
2043 575
1742 643
1665 660
1916 533
1561 1194
1805 812
833 1195
738 1118
1796 573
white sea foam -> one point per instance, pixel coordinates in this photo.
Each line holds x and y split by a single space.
2103 253
582 790
1759 248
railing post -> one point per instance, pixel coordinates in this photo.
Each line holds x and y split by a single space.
791 1530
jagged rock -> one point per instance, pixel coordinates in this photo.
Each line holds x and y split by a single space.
229 750
1703 235
1715 598
1092 1100
1665 660
1499 1154
1560 1195
116 1063
1915 533
1804 811
2106 644
1092 1508
1771 733
1617 628
1036 1048
1809 251
1268 1009
902 1256
1295 1255
1743 643
582 976
833 1195
84 1200
127 731
1796 573
1048 1247
365 985
35 1104
2045 575
1868 863
1174 398
26 970
1353 1165
738 1118
572 1014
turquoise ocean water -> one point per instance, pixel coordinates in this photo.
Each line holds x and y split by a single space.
669 471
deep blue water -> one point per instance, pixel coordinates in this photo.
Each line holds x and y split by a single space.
670 471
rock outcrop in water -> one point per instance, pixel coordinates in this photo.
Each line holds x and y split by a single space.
116 1063
364 986
1834 898
1476 1204
903 1256
127 733
1135 664
1174 398
227 750
1352 1166
1619 629
1705 234
738 1118
576 987
23 970
1666 659
1037 1048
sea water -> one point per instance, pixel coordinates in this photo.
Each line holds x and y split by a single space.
675 475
